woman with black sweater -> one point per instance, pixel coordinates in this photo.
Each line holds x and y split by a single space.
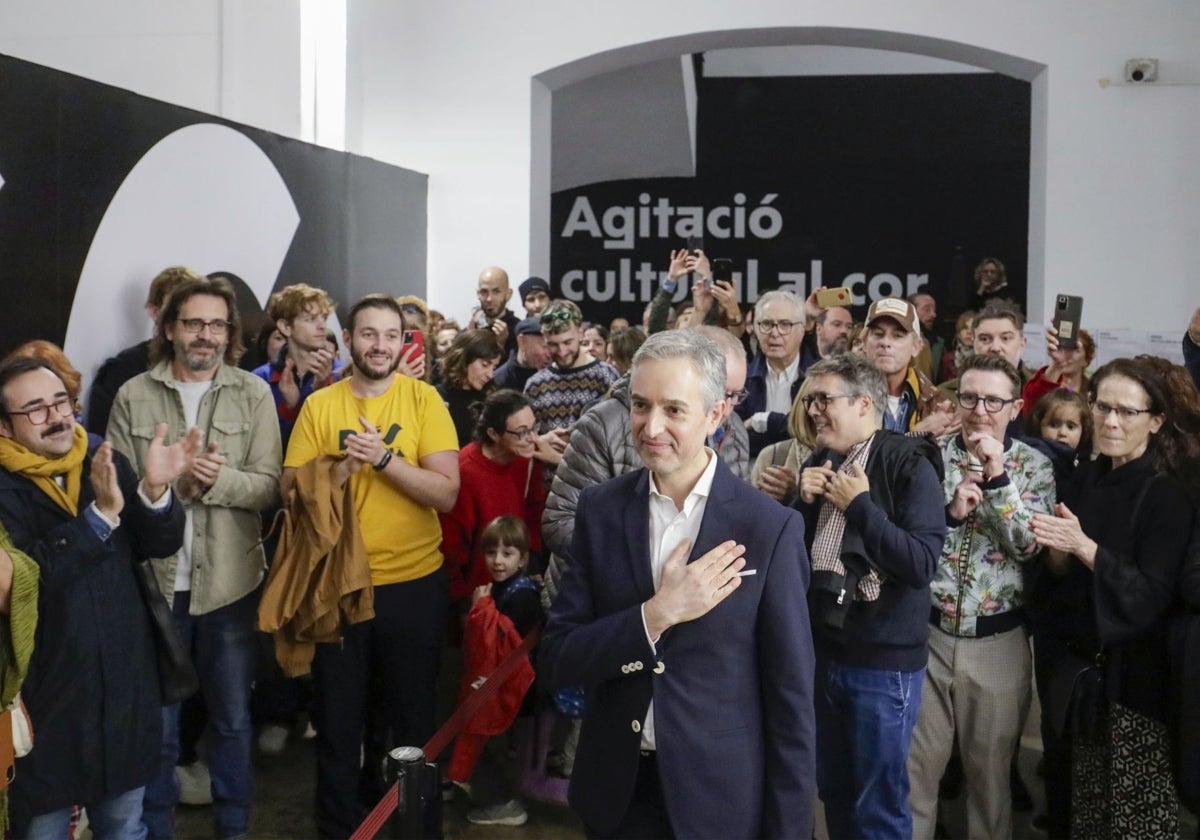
467 377
1119 540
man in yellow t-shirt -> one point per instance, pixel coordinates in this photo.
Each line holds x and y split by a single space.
401 460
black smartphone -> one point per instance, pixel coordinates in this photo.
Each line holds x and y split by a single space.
1068 310
722 269
695 243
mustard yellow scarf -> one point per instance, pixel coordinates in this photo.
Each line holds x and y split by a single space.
41 471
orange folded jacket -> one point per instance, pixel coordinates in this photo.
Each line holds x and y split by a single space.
320 579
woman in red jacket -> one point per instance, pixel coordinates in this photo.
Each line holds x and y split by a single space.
1067 369
498 478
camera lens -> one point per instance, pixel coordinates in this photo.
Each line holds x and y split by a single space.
1137 75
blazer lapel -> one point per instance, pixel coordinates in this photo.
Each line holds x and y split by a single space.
719 495
637 536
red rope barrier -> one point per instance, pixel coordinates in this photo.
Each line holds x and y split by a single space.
449 731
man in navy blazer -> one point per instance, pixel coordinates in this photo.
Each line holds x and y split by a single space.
698 674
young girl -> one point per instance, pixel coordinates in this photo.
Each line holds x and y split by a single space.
502 614
1063 420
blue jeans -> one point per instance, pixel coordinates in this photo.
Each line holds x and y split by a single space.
865 720
222 645
116 818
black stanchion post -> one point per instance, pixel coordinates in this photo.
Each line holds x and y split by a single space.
403 765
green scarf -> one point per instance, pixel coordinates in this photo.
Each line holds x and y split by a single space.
16 636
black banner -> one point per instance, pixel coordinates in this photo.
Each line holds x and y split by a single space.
103 188
884 184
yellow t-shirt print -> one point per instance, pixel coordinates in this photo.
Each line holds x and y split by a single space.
402 538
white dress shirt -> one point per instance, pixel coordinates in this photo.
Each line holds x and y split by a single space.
670 526
779 393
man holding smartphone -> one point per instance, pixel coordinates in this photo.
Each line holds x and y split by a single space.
493 312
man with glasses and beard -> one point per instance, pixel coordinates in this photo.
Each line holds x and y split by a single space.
211 582
399 453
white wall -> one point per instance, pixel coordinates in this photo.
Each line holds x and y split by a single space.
446 88
450 89
239 60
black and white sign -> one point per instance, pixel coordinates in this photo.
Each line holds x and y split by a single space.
883 184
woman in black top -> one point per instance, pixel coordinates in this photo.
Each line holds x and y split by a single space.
467 369
1119 541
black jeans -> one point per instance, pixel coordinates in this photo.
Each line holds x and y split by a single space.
402 648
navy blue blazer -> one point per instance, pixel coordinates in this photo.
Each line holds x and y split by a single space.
756 397
732 690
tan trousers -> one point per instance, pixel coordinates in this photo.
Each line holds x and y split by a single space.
977 688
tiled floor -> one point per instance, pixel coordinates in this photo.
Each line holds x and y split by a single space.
285 792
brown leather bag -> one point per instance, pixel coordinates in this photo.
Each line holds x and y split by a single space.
8 760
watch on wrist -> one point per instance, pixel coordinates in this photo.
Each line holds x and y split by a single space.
384 461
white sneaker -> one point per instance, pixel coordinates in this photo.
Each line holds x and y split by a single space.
511 812
195 786
272 739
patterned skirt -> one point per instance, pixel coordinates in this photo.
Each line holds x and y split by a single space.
1123 783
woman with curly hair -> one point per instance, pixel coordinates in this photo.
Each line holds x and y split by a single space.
467 377
1118 540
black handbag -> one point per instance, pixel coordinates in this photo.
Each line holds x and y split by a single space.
1087 712
177 679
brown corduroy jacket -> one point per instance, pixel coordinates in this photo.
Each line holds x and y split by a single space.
320 580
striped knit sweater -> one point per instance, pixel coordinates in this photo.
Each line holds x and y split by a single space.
560 397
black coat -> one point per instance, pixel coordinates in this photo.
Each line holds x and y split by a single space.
1142 522
115 372
92 689
1185 653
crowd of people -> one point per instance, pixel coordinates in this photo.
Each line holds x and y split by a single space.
909 532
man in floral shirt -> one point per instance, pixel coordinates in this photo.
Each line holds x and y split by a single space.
979 672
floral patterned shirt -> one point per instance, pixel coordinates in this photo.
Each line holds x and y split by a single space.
980 573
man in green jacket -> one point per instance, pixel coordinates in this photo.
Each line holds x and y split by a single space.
212 581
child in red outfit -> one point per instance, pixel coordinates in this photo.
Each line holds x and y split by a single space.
502 614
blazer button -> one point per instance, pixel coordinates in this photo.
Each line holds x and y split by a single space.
637 666
659 668
636 726
624 669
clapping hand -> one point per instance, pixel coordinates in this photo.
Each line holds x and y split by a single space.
110 501
814 481
164 464
778 482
